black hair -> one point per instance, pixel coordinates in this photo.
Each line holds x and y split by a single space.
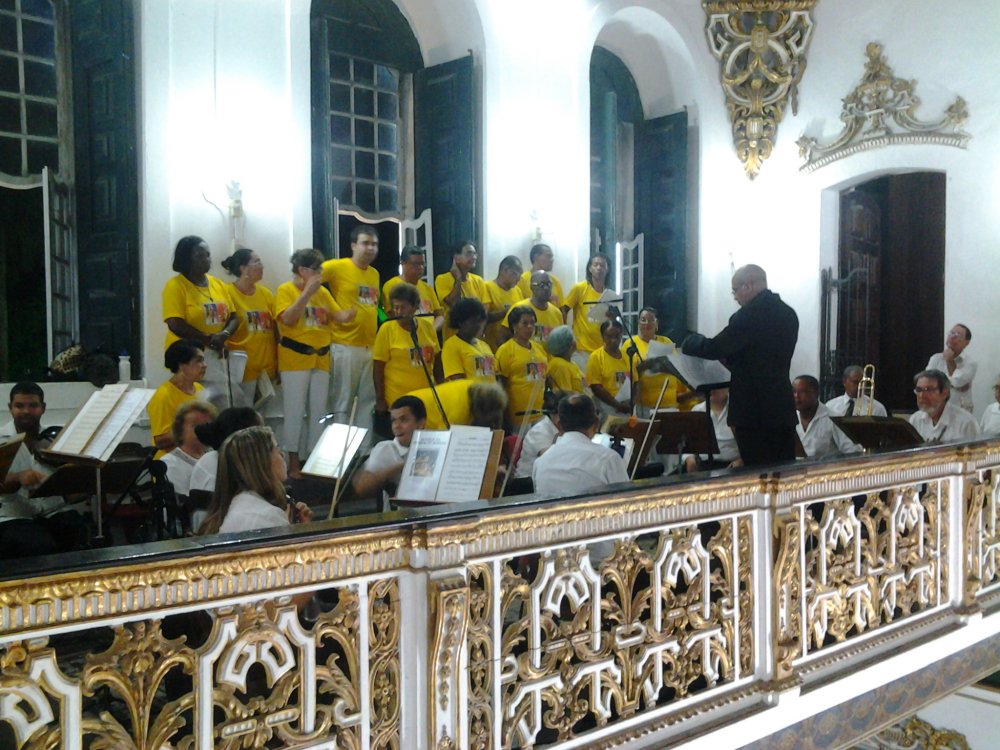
180 353
536 250
810 381
406 293
517 312
183 251
467 308
462 245
411 250
361 229
577 413
27 388
649 309
306 257
230 420
611 323
414 404
235 262
511 261
591 259
968 332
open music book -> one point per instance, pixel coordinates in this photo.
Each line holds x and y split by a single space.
101 423
451 466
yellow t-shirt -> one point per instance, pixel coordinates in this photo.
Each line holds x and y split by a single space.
455 400
557 288
473 287
564 375
649 384
162 408
403 371
313 328
205 308
459 357
353 287
255 336
499 299
429 301
587 334
523 369
603 369
545 320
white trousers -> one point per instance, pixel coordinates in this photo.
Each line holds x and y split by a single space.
304 395
351 375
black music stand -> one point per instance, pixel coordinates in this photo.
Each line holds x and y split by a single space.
879 433
620 428
686 432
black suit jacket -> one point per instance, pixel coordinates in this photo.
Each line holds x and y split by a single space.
757 347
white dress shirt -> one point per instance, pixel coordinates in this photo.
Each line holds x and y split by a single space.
954 424
728 452
179 468
574 464
385 455
990 421
822 437
249 512
204 472
961 379
538 439
838 407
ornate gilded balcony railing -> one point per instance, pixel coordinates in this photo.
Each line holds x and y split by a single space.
661 610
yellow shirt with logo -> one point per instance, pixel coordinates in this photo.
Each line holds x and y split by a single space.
312 329
525 370
162 408
649 384
557 288
473 361
564 375
545 320
204 308
473 286
499 299
353 287
403 371
608 371
429 301
587 334
255 334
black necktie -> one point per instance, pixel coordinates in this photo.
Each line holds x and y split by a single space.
849 411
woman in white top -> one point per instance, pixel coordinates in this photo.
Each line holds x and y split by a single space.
213 435
249 493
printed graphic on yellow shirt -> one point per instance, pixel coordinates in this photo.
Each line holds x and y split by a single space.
541 334
620 379
367 295
215 313
485 367
415 355
315 317
259 321
535 371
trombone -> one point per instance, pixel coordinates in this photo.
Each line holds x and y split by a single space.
866 389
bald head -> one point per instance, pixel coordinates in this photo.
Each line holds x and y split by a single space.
748 282
541 288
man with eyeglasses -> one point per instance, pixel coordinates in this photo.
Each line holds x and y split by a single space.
960 369
937 420
990 421
757 347
547 315
412 266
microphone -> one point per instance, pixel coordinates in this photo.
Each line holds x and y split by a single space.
409 317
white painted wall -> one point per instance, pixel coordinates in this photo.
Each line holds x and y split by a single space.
225 95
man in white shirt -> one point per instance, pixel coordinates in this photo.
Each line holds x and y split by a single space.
937 420
729 454
575 464
820 437
850 403
990 421
182 459
380 473
541 436
960 370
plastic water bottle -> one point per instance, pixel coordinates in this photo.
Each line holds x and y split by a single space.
124 368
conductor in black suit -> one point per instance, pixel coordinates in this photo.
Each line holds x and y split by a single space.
757 348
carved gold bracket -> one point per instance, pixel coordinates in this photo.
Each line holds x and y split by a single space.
449 601
881 111
761 46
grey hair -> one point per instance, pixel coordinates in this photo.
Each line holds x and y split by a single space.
560 341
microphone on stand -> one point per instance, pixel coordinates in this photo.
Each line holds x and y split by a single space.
423 363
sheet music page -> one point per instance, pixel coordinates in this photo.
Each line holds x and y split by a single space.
335 450
87 421
659 349
598 311
625 392
266 388
122 417
465 464
424 465
695 371
237 367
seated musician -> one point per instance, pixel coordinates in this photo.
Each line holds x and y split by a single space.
182 459
937 419
851 403
820 437
542 434
989 423
31 526
381 472
729 454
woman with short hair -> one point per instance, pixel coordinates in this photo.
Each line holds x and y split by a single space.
403 345
522 365
253 304
186 360
465 355
564 373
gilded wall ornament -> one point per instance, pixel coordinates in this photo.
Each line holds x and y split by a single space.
881 111
761 47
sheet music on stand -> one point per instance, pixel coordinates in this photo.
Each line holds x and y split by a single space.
598 311
101 423
696 373
336 449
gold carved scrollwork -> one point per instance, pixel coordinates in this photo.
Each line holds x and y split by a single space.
914 734
654 621
480 657
982 536
450 608
881 111
40 704
787 626
761 46
384 669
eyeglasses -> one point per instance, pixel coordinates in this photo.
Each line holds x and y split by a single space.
737 289
926 389
542 283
